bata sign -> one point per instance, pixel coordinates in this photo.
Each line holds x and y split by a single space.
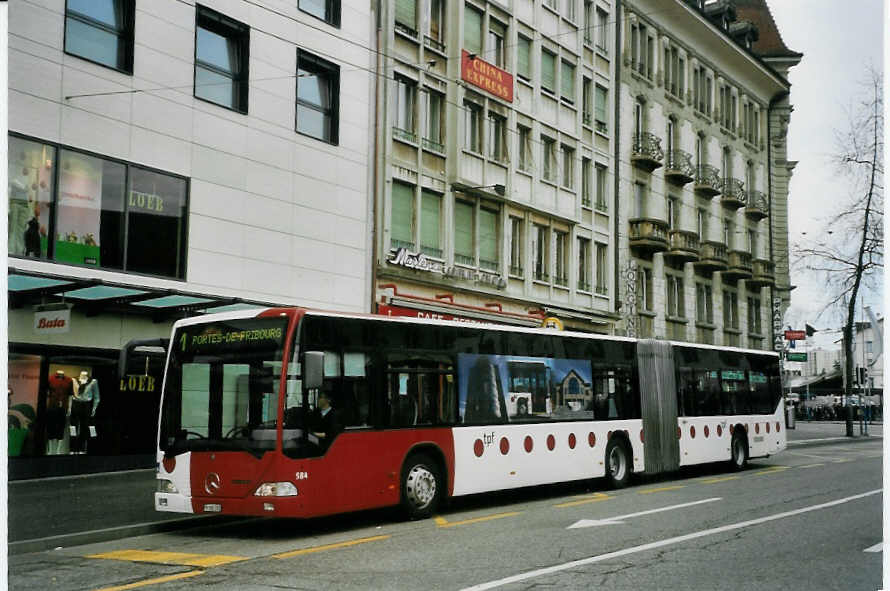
402 257
52 322
480 73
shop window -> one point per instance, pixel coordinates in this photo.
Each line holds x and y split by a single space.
318 97
103 213
326 10
22 397
101 31
222 55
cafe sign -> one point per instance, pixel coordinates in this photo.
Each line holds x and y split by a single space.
489 78
402 257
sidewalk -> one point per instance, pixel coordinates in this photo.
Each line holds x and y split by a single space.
816 432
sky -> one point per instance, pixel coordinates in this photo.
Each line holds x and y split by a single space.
840 39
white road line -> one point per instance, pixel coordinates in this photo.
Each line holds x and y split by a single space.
879 547
653 545
618 520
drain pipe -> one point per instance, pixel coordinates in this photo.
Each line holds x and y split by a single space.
617 161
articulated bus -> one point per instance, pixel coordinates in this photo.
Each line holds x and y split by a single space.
429 410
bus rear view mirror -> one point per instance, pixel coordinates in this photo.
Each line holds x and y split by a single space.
313 369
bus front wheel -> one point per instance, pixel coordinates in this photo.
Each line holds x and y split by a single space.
421 487
617 463
739 449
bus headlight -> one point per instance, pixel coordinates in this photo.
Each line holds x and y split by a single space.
166 486
276 489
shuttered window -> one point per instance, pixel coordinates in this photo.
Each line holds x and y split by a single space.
402 231
406 14
488 239
523 58
430 213
463 233
548 71
472 30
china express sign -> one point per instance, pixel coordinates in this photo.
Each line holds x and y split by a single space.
481 74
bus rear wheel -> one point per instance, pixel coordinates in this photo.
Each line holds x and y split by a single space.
421 487
739 451
617 463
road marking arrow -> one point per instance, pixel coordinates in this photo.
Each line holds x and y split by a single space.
618 520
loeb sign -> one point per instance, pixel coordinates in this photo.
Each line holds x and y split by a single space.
480 73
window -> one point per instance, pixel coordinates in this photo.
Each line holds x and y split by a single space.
567 74
102 213
602 269
586 101
586 182
602 30
644 289
402 228
496 34
435 37
702 223
406 95
588 22
728 232
600 114
542 252
326 10
406 16
221 60
726 163
754 317
704 303
488 239
752 243
568 166
472 30
639 116
464 231
560 277
516 242
639 200
523 58
497 137
669 136
601 191
525 148
673 213
434 132
699 150
101 32
430 223
472 127
569 10
551 4
548 71
676 306
549 157
730 309
318 97
642 50
583 264
674 72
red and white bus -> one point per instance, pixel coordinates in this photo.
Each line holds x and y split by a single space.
423 412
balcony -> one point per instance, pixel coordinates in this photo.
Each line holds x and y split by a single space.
707 180
733 193
683 246
648 235
739 265
711 256
763 274
757 207
646 152
678 168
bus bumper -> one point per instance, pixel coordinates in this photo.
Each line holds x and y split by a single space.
173 503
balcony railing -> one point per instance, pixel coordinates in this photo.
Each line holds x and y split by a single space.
648 235
646 152
684 245
733 193
395 243
583 285
679 168
757 207
431 251
707 180
763 273
516 271
462 259
601 289
739 265
433 44
404 134
541 275
435 146
561 280
711 256
489 265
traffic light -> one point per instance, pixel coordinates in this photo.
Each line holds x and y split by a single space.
861 375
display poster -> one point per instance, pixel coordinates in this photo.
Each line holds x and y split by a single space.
30 189
23 387
80 208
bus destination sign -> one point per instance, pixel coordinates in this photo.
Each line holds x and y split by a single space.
225 336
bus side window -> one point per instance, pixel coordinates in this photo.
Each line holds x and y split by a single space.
420 391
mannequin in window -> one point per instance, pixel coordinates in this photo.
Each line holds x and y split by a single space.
32 234
83 408
60 390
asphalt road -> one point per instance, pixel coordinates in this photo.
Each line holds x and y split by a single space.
808 518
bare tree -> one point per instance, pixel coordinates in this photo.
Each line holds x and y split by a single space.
849 252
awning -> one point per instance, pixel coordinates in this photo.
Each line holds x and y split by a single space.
97 296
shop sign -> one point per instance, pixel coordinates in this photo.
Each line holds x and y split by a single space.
387 310
489 78
795 335
138 383
778 343
402 257
146 201
52 321
796 356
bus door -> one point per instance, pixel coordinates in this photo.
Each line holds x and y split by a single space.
658 397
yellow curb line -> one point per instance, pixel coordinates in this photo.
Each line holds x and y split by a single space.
594 499
655 490
442 522
329 547
155 581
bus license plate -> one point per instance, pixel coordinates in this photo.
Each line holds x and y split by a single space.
212 508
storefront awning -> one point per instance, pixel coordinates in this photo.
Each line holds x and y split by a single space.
96 296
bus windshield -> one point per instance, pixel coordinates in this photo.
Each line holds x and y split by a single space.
221 388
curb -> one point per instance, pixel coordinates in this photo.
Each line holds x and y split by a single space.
830 440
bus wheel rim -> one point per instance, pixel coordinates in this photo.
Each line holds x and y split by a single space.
420 486
616 463
739 452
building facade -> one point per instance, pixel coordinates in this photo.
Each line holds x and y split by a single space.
702 224
168 158
495 195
